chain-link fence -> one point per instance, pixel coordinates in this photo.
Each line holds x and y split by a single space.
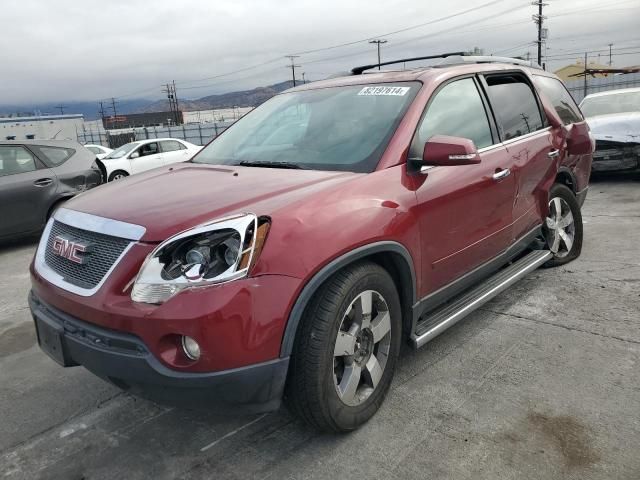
593 85
196 133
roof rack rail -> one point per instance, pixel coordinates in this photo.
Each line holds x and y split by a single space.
359 70
466 58
453 58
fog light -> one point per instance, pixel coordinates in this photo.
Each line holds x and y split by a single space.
191 348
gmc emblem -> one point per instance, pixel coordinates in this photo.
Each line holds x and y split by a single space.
70 249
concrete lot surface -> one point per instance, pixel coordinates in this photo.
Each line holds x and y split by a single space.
543 382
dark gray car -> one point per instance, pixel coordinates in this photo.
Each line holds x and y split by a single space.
36 176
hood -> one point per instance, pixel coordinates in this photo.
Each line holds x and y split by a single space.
618 127
169 200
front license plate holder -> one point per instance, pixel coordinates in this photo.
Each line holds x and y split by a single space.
51 340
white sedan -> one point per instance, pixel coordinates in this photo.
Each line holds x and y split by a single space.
99 150
136 157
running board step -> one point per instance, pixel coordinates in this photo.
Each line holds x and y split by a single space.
437 321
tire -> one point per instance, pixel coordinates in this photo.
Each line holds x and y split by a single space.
561 195
118 175
319 379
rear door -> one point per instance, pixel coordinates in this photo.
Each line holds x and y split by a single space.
465 211
149 157
523 131
27 190
174 151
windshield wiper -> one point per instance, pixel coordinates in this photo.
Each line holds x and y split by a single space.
249 163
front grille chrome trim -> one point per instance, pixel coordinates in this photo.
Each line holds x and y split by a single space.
96 224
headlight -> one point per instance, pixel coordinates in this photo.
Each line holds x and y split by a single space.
217 252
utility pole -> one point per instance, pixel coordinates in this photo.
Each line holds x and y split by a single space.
293 67
303 79
115 112
113 107
172 96
585 74
378 43
61 108
610 45
101 109
538 19
175 101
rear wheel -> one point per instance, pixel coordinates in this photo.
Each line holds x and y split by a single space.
346 349
118 175
563 226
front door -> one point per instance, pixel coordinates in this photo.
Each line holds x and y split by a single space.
465 211
149 156
27 190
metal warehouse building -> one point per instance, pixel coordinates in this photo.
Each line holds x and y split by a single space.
42 127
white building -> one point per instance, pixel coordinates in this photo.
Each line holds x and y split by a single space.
42 127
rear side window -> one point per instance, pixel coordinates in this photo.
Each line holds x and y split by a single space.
53 156
561 99
15 159
172 146
456 110
514 105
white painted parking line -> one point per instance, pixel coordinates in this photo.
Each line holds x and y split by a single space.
232 433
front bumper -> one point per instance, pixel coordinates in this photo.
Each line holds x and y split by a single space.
616 156
124 360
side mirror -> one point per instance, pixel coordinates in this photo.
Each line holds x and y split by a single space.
135 154
579 141
443 150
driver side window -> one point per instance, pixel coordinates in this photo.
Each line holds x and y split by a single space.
456 110
148 149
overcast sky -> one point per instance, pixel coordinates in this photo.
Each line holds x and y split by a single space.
64 50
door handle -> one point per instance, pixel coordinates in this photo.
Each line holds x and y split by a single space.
43 182
502 174
553 153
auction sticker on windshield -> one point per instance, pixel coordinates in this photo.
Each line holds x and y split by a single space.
399 91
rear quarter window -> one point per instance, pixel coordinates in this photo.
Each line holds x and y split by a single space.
560 97
53 156
514 104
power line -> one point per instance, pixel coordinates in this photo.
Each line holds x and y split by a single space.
430 22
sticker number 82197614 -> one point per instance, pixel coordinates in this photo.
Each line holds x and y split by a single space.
382 90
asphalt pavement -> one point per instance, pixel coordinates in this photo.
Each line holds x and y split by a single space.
543 382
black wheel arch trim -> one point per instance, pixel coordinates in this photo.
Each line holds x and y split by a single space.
332 267
566 170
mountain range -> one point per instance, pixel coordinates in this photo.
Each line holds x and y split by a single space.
244 98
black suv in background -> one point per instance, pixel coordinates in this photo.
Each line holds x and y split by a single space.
36 176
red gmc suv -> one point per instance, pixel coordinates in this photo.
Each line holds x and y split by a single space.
292 256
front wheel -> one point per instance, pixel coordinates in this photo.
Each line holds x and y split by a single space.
118 175
563 226
346 349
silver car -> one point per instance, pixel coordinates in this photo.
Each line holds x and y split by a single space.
38 175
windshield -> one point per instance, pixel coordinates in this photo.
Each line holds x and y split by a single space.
122 151
339 128
614 103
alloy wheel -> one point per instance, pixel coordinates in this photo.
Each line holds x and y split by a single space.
560 227
362 348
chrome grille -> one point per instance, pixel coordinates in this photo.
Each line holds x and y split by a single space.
105 250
